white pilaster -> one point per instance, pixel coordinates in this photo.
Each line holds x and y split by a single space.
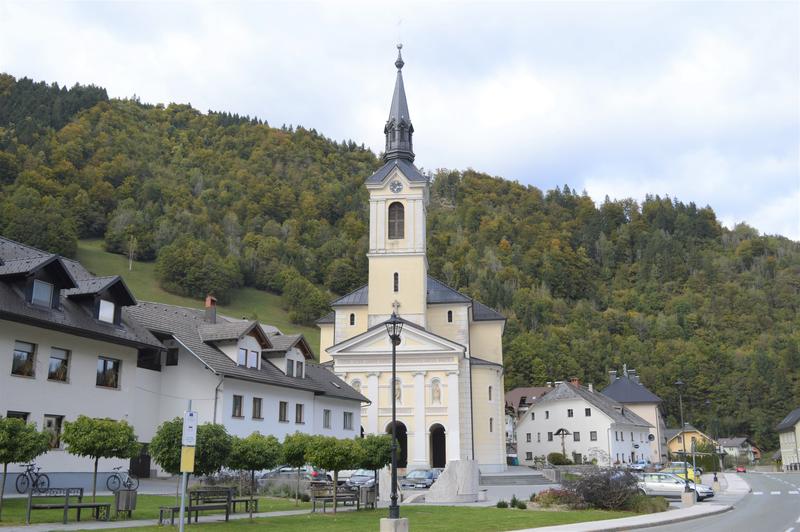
372 409
380 226
373 225
453 421
420 456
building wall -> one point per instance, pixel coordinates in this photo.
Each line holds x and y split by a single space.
412 293
458 329
343 330
675 445
650 413
490 448
79 395
790 441
326 340
486 340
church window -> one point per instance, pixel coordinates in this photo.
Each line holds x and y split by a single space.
449 316
491 424
396 220
396 282
352 319
490 393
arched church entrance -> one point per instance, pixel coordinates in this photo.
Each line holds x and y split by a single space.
438 445
402 443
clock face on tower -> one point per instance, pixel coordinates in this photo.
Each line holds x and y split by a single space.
395 186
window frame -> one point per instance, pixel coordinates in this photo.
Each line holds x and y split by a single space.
100 314
173 353
38 302
289 367
18 414
237 407
67 357
31 358
58 433
449 316
576 436
592 435
396 282
347 420
549 436
352 319
255 356
570 412
528 438
299 414
241 357
396 221
118 372
587 412
283 411
258 408
326 418
298 369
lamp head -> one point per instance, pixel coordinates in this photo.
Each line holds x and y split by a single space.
394 326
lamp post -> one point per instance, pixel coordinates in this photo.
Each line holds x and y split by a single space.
394 326
680 384
715 454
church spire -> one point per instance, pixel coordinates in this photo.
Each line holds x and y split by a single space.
398 129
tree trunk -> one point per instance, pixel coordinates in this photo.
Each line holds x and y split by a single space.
297 489
335 489
3 489
377 488
94 480
252 490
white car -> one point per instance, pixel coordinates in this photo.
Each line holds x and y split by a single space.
671 486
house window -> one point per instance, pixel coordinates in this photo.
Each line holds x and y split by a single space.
569 412
616 436
449 316
237 406
621 436
528 437
528 455
11 414
533 415
242 357
576 436
547 414
490 393
108 372
257 408
106 311
593 435
298 413
52 425
396 281
59 365
587 412
283 412
348 421
396 220
23 360
172 357
352 319
538 437
549 436
290 367
491 424
299 369
326 419
42 293
252 359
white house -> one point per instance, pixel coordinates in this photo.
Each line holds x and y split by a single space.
739 450
585 424
518 401
789 436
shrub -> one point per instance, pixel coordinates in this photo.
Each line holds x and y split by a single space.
606 490
558 459
521 505
551 497
502 504
305 497
643 504
513 502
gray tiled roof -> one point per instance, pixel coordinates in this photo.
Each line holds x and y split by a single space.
789 421
438 292
284 342
481 312
359 296
616 411
17 266
229 330
91 285
731 442
626 390
481 362
184 324
530 393
409 170
330 317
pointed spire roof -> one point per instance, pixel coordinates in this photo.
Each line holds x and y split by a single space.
398 129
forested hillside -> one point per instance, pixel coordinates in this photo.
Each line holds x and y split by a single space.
221 201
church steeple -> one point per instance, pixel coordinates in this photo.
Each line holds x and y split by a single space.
398 129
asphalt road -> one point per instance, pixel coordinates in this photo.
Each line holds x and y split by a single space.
773 505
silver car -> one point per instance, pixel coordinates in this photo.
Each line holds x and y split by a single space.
671 486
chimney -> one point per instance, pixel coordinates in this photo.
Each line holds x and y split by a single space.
612 376
211 309
591 387
575 381
633 375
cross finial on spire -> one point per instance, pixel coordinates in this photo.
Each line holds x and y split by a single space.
399 63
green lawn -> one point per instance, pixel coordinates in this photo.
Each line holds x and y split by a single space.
246 302
429 519
146 508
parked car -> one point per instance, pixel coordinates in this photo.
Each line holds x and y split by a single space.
307 472
420 479
680 472
671 486
361 478
641 465
688 465
741 469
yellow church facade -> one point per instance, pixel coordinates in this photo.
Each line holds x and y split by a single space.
449 385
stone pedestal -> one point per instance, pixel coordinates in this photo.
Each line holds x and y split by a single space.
688 498
458 483
385 485
394 525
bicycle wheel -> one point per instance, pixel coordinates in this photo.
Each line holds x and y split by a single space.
131 482
23 483
42 483
113 483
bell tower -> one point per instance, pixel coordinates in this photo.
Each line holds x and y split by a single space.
398 199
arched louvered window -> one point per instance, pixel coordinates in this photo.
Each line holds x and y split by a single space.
449 316
396 220
352 319
396 282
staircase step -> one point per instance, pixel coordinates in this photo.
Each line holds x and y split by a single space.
513 480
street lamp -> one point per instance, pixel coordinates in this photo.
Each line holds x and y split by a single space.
680 384
394 326
715 453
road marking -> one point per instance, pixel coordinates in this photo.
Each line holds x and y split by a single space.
774 492
794 493
758 493
789 529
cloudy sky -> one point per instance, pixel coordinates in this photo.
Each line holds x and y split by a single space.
695 100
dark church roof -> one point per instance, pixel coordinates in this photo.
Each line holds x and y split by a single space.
409 170
789 421
625 389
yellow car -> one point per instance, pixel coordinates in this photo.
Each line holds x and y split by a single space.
679 471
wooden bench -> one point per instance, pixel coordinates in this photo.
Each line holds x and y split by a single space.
219 495
325 495
100 510
200 501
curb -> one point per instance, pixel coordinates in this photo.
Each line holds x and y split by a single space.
674 520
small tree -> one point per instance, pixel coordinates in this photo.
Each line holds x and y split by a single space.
295 447
334 455
254 453
376 452
100 438
19 442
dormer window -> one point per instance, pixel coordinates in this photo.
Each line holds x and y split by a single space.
252 359
106 311
299 369
42 293
290 368
242 357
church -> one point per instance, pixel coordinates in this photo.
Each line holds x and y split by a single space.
449 386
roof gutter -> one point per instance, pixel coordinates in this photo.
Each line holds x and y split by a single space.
216 394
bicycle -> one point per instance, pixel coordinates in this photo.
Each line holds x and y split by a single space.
32 477
117 480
